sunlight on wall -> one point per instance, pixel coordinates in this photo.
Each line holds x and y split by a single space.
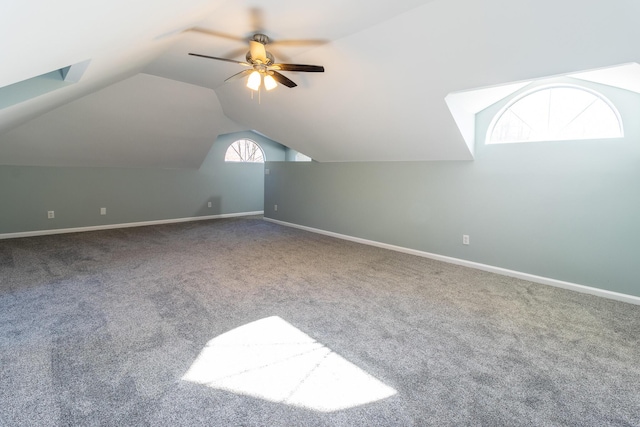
272 360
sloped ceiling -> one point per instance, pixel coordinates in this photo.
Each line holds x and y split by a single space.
390 64
142 121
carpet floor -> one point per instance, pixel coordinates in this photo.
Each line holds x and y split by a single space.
242 322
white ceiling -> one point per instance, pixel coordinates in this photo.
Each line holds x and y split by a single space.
390 64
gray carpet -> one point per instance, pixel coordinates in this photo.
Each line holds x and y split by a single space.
99 328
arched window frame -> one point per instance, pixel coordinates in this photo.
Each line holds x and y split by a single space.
540 88
238 152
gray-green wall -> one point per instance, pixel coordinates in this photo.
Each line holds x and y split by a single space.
568 211
132 195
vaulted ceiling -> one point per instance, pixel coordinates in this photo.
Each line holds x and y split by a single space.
390 64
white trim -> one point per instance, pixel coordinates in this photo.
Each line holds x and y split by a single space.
122 225
631 299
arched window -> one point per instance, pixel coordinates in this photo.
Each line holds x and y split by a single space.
556 113
244 151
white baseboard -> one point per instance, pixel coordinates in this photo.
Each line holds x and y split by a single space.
122 225
631 299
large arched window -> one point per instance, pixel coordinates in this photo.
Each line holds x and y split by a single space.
556 113
244 151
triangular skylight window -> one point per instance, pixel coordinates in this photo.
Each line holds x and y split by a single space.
39 85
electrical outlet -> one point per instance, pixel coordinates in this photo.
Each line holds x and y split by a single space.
267 171
465 239
103 211
209 204
275 208
51 214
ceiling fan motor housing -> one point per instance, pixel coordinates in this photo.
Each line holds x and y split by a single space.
260 38
270 58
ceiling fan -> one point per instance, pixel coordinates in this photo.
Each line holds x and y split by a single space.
262 66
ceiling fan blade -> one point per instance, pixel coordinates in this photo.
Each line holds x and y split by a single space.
299 67
299 42
217 34
285 81
220 59
241 52
239 75
258 52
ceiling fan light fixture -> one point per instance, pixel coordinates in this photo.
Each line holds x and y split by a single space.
270 82
255 79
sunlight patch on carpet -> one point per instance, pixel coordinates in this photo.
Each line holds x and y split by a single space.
272 360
